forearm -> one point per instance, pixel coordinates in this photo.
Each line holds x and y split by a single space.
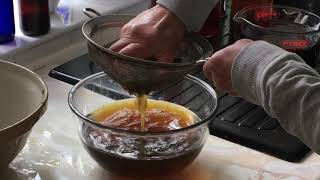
284 86
193 13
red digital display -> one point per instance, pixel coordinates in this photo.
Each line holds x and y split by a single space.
295 44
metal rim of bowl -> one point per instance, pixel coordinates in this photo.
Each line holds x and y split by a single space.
122 57
94 123
38 110
274 31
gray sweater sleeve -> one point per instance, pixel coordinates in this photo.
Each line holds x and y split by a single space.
193 13
286 87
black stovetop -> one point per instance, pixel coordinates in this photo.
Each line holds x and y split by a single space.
236 120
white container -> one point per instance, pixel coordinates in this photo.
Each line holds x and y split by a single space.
53 5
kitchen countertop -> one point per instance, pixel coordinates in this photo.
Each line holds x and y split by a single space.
54 151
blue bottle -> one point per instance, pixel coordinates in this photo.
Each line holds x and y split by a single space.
7 29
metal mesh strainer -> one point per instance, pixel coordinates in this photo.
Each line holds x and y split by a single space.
138 75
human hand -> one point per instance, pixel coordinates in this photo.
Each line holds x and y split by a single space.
218 68
155 33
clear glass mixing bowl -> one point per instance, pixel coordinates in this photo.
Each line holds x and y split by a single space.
142 153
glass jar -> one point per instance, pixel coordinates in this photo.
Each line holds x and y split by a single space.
34 17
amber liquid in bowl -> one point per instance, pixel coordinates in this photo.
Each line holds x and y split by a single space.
126 154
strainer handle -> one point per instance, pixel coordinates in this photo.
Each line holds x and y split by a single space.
201 62
91 13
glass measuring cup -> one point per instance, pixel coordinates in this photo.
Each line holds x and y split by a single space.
293 29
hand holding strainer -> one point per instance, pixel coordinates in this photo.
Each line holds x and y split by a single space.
134 74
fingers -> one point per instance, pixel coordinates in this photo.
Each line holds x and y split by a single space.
117 46
142 50
208 68
215 66
139 50
218 68
136 50
165 57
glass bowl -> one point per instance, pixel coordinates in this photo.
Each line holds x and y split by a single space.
129 153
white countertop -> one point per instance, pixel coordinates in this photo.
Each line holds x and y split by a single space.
54 151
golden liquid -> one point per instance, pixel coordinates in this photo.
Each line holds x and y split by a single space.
142 101
142 156
157 115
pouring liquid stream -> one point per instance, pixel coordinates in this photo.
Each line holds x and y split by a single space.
142 102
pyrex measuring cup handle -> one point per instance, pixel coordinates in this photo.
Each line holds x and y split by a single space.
91 13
